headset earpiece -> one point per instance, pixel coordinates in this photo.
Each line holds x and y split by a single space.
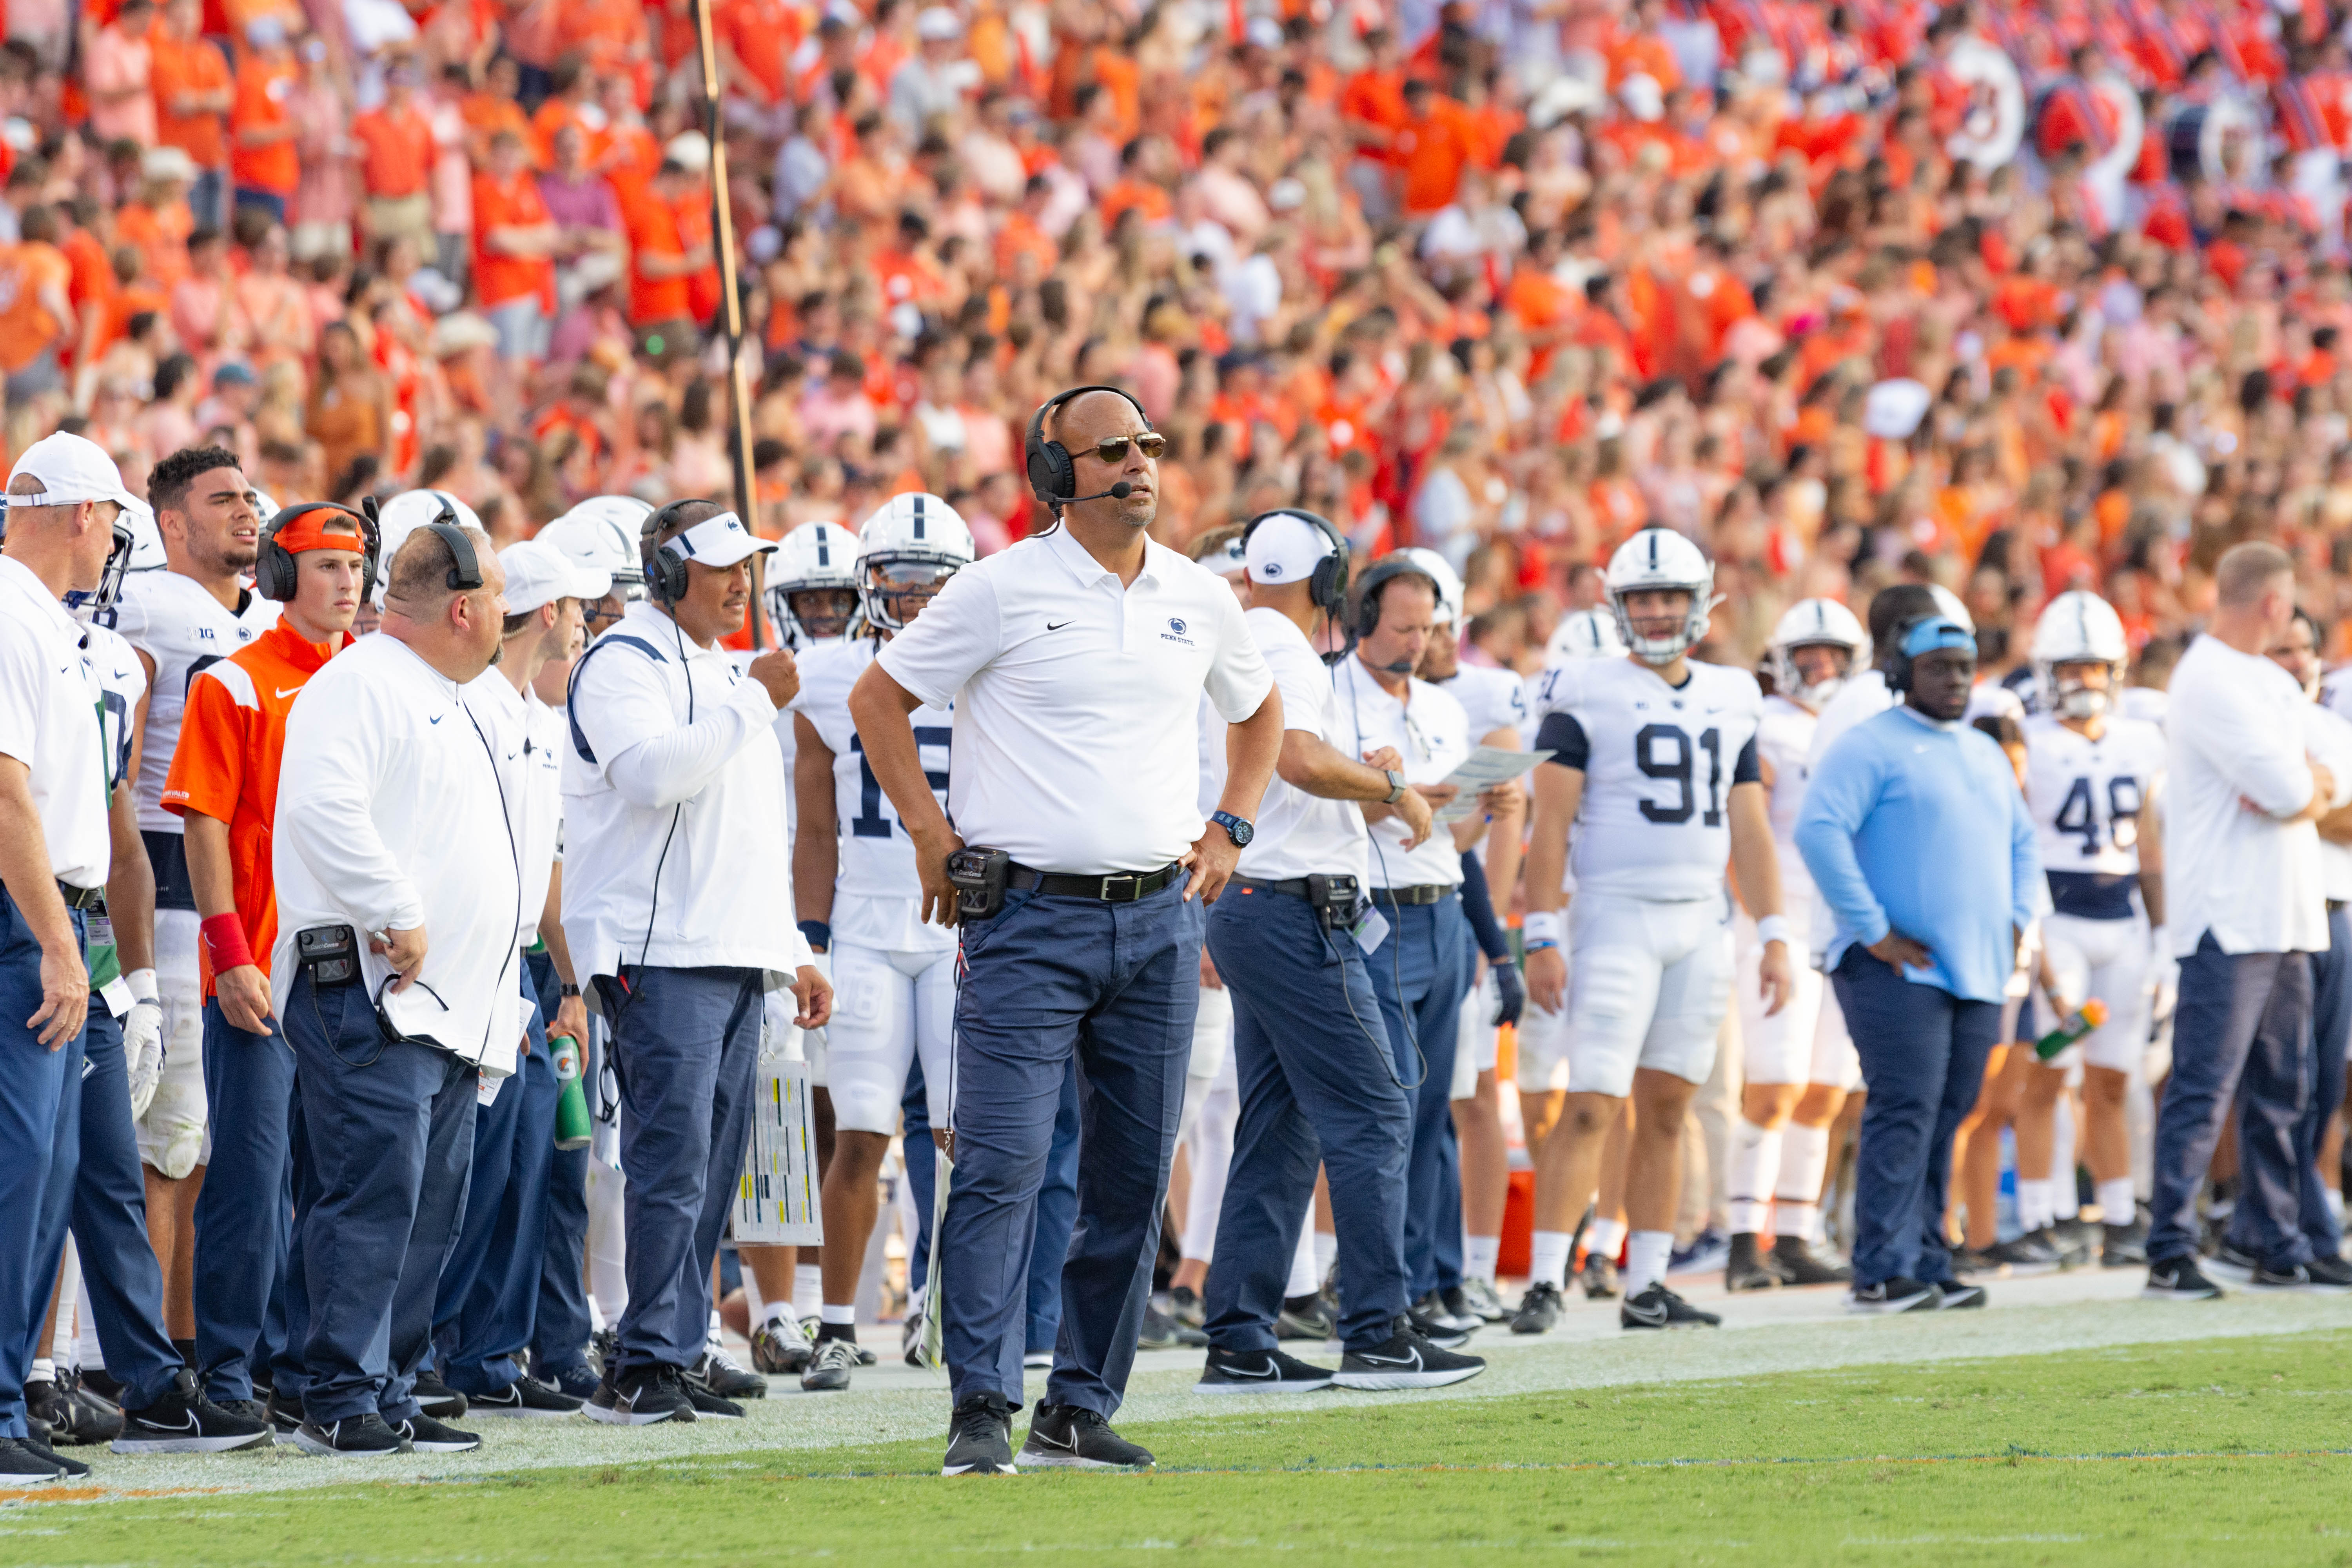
1053 472
665 568
1328 586
274 570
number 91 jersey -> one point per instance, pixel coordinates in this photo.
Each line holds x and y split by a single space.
876 891
2086 794
1659 762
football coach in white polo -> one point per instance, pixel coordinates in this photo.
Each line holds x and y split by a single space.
1076 659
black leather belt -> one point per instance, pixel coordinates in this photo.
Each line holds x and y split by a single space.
1293 889
1427 893
1119 888
83 899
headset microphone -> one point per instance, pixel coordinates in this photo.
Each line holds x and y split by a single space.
1118 491
1401 667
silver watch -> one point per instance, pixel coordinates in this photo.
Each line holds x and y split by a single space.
1396 786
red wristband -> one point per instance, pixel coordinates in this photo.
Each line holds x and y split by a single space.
224 943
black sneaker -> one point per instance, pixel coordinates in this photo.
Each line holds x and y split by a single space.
2330 1273
1305 1318
353 1438
2321 1277
1796 1262
579 1380
2123 1246
605 1349
285 1411
980 1437
1598 1278
1895 1295
1256 1371
1439 1333
2025 1255
1409 1359
1955 1297
1479 1297
184 1422
1459 1307
96 1379
1434 1309
1972 1260
2232 1263
437 1398
836 1360
1538 1310
1659 1308
1750 1269
526 1398
640 1396
73 1414
1163 1332
710 1406
1185 1306
74 1468
426 1435
778 1347
2067 1240
1073 1437
716 1371
22 1465
2178 1279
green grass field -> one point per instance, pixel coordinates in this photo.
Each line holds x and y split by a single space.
2206 1452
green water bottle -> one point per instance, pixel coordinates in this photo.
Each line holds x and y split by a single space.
573 1128
2093 1014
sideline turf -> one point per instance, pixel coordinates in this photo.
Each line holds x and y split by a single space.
2023 1460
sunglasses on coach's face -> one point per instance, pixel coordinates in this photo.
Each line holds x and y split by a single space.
1113 449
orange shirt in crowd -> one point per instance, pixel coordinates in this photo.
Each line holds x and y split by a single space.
763 33
1377 98
397 150
27 322
1132 192
191 67
502 279
1433 153
262 89
653 231
231 741
163 237
485 114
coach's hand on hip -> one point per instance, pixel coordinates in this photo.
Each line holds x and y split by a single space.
405 951
1901 952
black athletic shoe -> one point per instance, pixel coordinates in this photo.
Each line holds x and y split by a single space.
1073 1437
74 1468
1457 1304
1895 1295
285 1411
1748 1267
2321 1276
2178 1279
2123 1246
1185 1306
980 1438
1163 1332
2232 1263
95 1379
710 1406
184 1422
353 1438
1478 1296
716 1371
1598 1278
2025 1255
1408 1359
437 1398
526 1398
21 1465
1954 1297
1972 1260
1305 1318
426 1435
2067 1240
1258 1372
836 1360
778 1347
1433 1308
1538 1310
1659 1308
1795 1261
604 1349
640 1396
73 1414
1437 1333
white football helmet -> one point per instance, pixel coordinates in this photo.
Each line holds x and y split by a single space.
815 557
1814 622
1585 634
600 533
403 515
1948 606
1659 558
911 545
2078 627
1449 583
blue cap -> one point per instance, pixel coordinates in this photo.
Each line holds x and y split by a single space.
1936 632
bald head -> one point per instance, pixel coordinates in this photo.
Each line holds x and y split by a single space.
1082 426
2249 571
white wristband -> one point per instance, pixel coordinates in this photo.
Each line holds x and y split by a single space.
1773 929
142 984
1543 925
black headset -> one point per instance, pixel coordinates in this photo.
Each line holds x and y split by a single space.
1053 473
665 567
1329 583
1377 577
274 567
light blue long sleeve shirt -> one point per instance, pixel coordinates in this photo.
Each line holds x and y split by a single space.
1917 827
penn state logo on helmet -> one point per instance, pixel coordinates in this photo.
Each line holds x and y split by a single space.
2078 628
1659 560
1814 622
814 558
1585 634
909 548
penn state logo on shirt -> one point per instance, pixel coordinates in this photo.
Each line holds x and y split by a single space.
1175 632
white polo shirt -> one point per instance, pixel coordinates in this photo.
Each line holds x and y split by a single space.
1077 749
529 736
50 706
2236 732
1431 733
1298 833
2329 736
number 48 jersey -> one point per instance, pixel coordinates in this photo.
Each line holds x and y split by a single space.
2086 794
877 889
1659 762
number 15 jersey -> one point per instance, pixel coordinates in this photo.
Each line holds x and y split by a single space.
1658 762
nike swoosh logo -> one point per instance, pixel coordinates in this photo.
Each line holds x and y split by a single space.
1051 626
438 717
1413 1360
1647 1315
1236 1372
286 691
1051 1442
187 1424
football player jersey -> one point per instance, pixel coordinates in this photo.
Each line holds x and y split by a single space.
176 622
1494 698
122 683
876 891
787 739
1784 742
2085 797
1658 762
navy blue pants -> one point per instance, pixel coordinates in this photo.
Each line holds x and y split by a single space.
2243 1028
391 1133
32 1081
560 1325
288 1327
99 1193
1048 978
1421 973
686 1046
1922 1058
1057 1204
243 1214
1318 1088
488 1301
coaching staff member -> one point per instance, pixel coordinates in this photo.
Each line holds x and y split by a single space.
2245 902
1919 841
679 902
1076 659
394 978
